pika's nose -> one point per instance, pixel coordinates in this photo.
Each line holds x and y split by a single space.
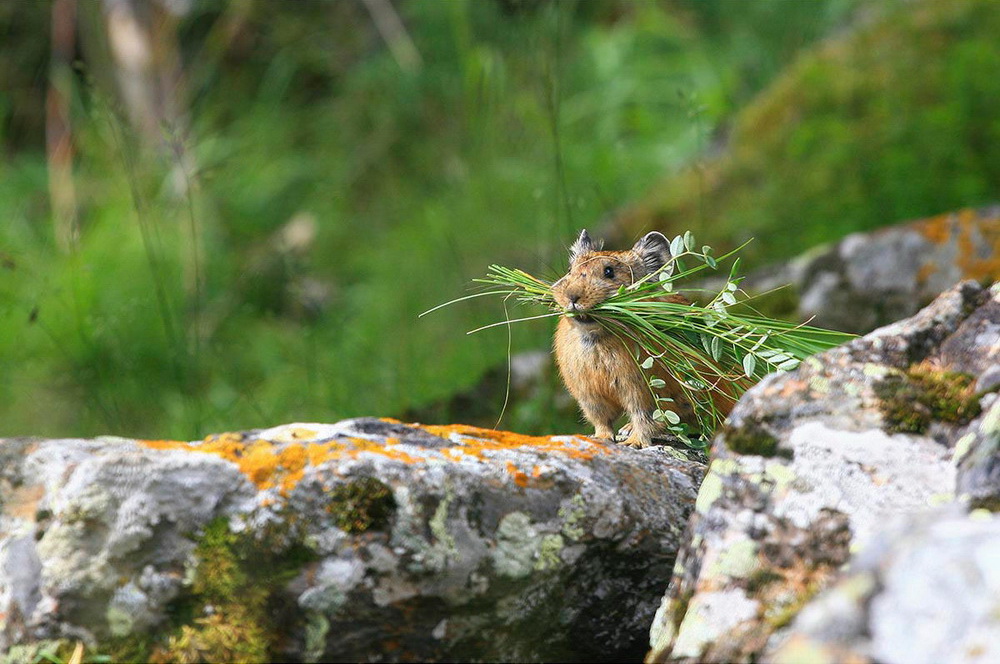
573 299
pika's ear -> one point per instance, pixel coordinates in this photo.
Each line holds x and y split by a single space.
653 249
582 245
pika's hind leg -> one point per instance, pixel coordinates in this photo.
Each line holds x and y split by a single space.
602 415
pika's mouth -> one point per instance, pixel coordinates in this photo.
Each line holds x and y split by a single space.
582 318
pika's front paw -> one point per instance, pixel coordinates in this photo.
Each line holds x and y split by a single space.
636 441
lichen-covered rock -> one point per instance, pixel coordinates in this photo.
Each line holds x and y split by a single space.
871 279
866 280
366 540
977 454
812 463
924 591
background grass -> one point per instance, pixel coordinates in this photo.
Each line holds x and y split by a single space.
184 308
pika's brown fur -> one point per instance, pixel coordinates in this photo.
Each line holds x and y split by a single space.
599 370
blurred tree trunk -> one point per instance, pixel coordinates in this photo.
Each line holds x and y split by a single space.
142 35
142 39
58 128
390 27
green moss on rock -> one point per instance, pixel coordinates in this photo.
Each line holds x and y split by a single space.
228 614
910 401
680 607
751 438
43 652
760 579
361 504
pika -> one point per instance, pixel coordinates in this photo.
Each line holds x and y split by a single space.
599 370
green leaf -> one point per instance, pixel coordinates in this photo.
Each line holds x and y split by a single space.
734 269
710 261
657 383
728 298
689 240
716 348
707 341
760 342
749 363
647 363
788 365
671 416
668 286
677 246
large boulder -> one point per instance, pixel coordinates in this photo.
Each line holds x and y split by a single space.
813 463
867 280
366 540
923 592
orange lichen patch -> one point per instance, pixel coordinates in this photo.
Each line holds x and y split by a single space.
924 273
794 387
972 263
228 437
259 462
165 444
520 478
269 465
936 229
475 441
317 453
282 465
359 445
978 239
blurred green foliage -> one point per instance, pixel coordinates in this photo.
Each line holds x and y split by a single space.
890 120
197 299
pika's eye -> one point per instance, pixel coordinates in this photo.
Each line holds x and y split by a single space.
609 272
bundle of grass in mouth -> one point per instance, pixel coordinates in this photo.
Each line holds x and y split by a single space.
633 340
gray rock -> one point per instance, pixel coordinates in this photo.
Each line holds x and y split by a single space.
977 454
365 540
870 279
925 591
813 463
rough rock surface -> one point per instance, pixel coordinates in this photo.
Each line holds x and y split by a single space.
925 591
814 462
977 454
870 279
366 540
